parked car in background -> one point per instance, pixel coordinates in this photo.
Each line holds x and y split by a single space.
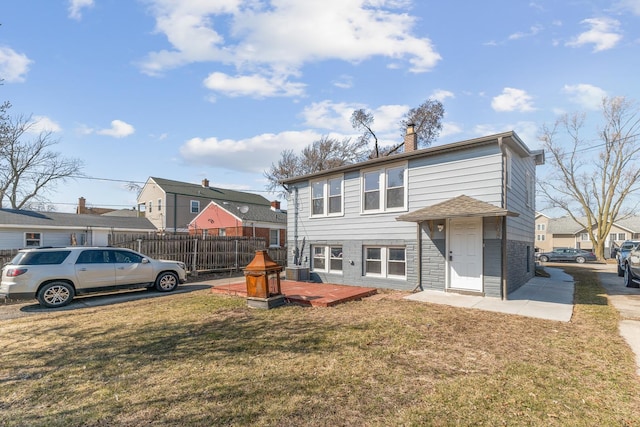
567 254
632 268
623 252
54 276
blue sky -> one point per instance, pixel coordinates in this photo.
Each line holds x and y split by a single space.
193 89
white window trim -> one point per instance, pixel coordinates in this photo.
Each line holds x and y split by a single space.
159 205
326 197
509 168
197 202
382 189
327 259
384 259
275 244
39 239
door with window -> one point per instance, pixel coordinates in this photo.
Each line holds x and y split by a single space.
465 254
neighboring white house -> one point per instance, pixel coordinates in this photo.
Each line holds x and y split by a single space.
22 228
456 217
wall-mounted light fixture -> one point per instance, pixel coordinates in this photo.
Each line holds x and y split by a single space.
440 227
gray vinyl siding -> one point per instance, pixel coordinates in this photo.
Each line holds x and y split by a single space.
14 239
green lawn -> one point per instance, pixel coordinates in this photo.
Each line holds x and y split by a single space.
204 359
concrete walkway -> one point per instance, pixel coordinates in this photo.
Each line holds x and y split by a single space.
542 297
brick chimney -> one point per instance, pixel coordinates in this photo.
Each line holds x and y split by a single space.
82 205
205 183
410 139
275 205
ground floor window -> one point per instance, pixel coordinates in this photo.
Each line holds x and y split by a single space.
32 239
385 262
274 237
327 258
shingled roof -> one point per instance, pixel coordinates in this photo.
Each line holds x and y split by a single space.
206 192
457 207
14 218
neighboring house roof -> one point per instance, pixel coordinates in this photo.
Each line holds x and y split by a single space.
254 212
632 224
213 193
564 225
130 213
457 207
14 218
509 138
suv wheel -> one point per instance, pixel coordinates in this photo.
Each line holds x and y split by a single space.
628 278
55 294
166 282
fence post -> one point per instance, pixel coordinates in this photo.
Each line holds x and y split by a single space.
194 270
236 254
139 245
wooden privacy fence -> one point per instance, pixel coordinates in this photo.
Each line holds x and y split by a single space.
211 253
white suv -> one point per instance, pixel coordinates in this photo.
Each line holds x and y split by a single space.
55 275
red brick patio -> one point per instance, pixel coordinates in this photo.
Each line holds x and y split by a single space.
306 293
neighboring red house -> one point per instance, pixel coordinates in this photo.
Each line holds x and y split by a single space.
246 220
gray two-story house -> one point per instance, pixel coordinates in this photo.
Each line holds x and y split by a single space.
457 217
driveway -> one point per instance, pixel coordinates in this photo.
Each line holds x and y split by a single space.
627 302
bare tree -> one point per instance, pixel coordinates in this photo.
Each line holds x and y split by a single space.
427 118
362 120
592 179
28 167
323 154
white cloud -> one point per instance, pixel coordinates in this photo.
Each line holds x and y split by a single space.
441 94
585 95
532 32
343 82
450 128
247 155
40 124
76 6
255 85
512 99
604 34
631 5
118 129
327 115
13 65
276 38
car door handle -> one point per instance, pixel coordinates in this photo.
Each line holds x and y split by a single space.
82 269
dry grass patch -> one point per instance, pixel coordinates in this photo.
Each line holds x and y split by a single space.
204 359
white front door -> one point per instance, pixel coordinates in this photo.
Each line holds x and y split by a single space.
465 254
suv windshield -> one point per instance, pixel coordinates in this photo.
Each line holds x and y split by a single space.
40 258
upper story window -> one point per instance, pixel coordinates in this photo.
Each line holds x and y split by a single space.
540 227
326 197
159 205
150 206
195 206
384 189
507 173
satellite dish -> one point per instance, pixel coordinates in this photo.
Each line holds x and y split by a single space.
244 209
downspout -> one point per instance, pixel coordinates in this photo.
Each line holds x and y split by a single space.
504 219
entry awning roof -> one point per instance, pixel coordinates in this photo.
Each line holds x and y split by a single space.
458 207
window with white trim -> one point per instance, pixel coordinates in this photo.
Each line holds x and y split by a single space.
195 206
384 189
540 227
507 176
622 236
529 190
541 237
32 239
319 258
385 262
327 259
150 206
326 196
159 205
274 237
584 237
